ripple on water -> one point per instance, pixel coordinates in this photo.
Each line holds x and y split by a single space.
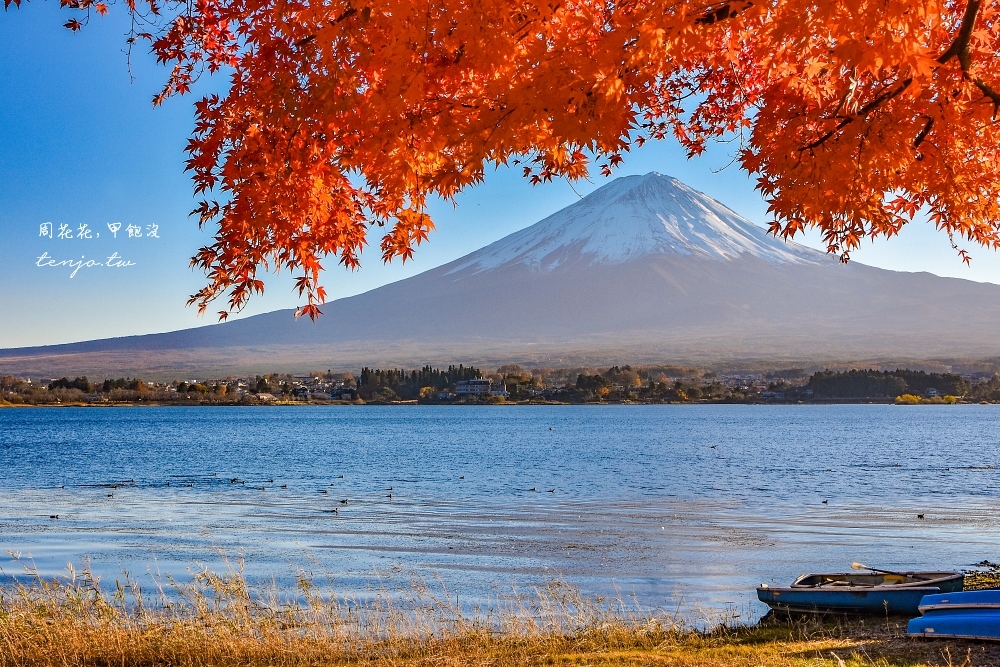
666 502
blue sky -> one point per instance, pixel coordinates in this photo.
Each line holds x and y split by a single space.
80 144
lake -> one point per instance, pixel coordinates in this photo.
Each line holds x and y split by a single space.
679 507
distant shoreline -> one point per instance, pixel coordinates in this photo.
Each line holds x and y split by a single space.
314 404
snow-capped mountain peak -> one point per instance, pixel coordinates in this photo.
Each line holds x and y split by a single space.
635 216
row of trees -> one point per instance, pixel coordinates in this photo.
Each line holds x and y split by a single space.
82 390
616 383
601 387
985 391
884 384
396 383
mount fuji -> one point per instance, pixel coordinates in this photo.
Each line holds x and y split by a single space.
644 269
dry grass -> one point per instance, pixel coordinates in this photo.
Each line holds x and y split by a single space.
986 576
217 620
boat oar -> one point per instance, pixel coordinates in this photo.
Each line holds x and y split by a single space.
861 566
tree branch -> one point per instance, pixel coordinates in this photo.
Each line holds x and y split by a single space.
959 49
722 12
879 100
924 132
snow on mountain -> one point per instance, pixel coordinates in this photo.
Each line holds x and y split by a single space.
635 216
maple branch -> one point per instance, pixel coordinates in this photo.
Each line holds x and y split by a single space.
346 14
960 49
721 13
989 92
880 99
924 132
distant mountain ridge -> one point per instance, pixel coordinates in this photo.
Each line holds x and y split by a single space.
645 269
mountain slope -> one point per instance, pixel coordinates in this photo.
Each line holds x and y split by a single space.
644 269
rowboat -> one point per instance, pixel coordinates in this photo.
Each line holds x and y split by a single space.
968 615
893 593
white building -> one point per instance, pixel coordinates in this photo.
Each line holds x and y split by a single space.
477 387
480 387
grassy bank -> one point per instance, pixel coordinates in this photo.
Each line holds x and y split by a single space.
217 620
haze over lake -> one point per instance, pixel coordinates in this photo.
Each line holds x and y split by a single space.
688 506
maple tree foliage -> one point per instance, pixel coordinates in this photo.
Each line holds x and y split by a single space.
342 115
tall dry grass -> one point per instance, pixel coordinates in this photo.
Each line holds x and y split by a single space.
217 619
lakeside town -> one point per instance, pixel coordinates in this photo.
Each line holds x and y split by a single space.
512 384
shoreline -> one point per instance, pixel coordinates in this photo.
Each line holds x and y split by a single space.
286 404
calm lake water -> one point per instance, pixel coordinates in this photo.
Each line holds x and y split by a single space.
682 507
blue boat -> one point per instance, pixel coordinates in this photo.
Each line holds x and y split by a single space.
880 593
968 615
